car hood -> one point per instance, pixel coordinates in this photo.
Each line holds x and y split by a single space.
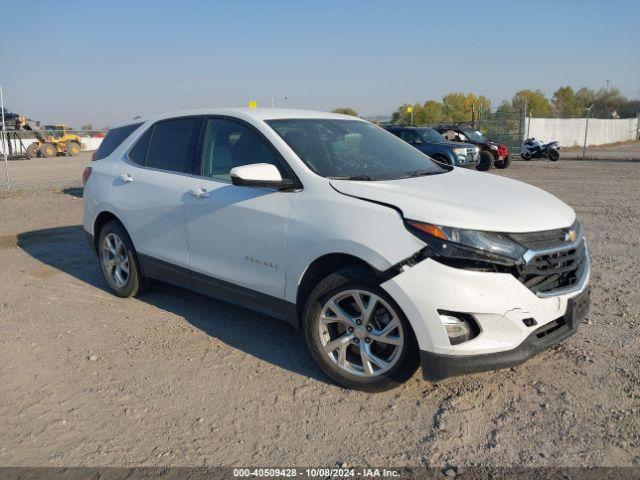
466 199
455 144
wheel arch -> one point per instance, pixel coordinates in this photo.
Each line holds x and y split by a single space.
101 220
441 156
322 267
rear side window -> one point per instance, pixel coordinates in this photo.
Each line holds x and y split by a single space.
138 153
171 145
113 139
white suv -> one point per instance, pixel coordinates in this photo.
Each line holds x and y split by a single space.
383 257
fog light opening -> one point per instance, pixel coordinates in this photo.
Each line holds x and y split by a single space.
460 327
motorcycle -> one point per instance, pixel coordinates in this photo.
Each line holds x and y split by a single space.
532 148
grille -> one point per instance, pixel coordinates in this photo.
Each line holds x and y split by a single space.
549 272
545 239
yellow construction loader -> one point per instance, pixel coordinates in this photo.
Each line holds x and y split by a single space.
51 141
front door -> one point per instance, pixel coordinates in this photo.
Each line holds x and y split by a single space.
237 235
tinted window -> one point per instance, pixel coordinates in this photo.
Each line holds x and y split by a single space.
113 139
409 136
170 145
138 153
229 144
352 149
430 135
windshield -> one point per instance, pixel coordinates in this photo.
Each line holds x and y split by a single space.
352 149
430 135
474 135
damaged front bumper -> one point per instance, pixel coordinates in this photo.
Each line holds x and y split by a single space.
514 323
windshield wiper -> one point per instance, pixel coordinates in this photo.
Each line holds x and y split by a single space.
420 173
352 177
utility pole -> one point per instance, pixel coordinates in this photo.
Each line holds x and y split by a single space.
4 142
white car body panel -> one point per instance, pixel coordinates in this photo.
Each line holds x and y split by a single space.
467 199
238 235
151 207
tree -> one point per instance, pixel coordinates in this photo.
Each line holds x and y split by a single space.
458 106
431 112
605 103
584 99
87 127
536 102
565 103
608 102
346 111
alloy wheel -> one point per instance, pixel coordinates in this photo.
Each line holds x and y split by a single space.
115 260
360 333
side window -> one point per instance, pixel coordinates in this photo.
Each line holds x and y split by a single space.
170 145
113 139
138 153
408 136
229 144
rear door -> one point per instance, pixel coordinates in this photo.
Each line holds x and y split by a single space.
149 189
237 235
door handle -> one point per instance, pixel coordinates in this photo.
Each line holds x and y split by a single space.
199 193
126 178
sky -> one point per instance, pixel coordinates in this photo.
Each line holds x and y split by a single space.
99 63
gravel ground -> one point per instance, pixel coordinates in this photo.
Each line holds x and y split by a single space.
174 378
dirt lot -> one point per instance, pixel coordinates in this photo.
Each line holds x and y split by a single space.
175 378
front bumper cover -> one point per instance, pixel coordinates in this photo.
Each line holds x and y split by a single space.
437 367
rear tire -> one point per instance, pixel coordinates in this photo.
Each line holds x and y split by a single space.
502 164
73 149
32 150
48 150
364 357
119 262
554 155
486 160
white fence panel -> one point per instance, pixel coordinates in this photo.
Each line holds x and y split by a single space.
570 131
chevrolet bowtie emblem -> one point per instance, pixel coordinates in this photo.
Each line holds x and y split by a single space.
570 236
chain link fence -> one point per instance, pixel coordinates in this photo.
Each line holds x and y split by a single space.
504 126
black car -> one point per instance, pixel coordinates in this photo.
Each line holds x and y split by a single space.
10 119
491 153
429 141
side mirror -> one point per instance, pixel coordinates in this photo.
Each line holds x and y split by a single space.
417 141
260 175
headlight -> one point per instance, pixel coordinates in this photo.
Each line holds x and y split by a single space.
460 151
459 243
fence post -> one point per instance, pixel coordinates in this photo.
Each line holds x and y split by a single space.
586 131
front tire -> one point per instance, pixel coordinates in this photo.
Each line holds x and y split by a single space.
32 150
358 334
73 149
554 155
119 261
47 150
486 160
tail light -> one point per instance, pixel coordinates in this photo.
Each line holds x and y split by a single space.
503 151
86 174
